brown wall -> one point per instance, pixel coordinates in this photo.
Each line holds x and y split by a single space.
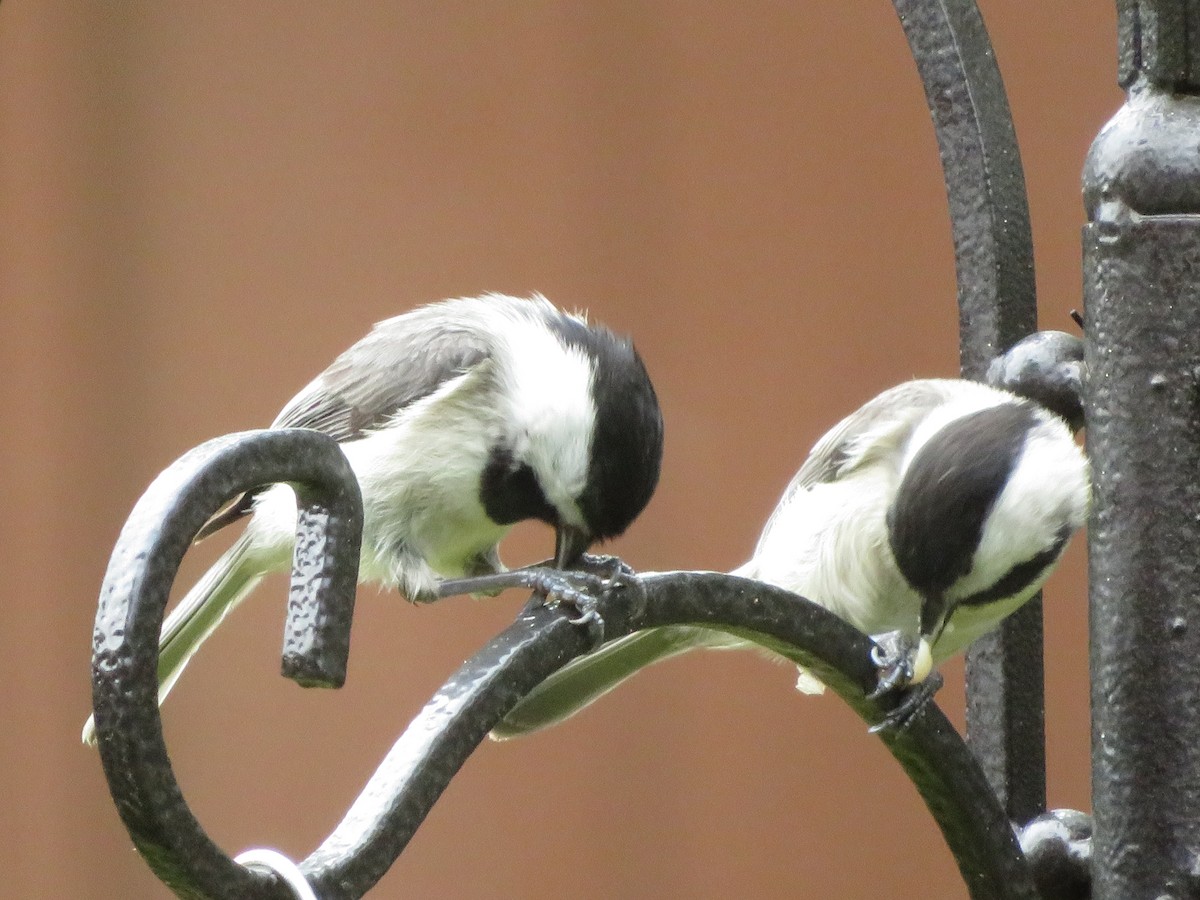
203 203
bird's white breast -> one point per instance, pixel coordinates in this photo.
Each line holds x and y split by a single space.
419 476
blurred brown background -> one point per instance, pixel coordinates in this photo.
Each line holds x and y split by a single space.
204 203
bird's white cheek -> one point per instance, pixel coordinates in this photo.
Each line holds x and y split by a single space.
550 414
1046 495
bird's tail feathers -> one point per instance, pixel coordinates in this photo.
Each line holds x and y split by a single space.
203 608
587 679
200 611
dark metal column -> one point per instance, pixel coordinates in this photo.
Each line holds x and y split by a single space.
1142 285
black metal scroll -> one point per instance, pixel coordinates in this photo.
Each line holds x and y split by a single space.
453 723
433 748
132 599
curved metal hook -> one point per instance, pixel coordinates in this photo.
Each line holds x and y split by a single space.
440 739
134 594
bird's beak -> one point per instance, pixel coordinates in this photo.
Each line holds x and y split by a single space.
923 663
569 544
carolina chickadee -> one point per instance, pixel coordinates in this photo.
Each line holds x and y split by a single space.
460 419
923 519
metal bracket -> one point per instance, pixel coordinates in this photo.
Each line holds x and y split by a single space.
396 800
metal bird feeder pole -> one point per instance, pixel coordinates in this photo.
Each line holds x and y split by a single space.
1142 288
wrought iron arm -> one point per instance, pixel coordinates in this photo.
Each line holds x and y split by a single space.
985 185
132 599
434 747
454 722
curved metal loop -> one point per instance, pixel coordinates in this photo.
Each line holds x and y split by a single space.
440 739
132 599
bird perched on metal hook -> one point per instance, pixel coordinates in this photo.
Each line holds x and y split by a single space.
923 519
460 419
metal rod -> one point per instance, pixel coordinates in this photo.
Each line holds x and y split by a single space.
447 731
993 249
435 745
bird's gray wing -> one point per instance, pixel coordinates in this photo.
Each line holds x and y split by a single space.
849 443
877 427
401 361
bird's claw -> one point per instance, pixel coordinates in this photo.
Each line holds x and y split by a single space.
611 568
590 618
613 572
914 699
579 591
893 656
571 588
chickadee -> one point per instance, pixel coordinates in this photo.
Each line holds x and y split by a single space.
460 419
923 519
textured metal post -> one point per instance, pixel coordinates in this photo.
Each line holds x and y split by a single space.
1142 284
993 251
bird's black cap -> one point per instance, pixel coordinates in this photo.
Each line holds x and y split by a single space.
936 522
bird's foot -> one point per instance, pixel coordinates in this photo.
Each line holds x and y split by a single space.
899 659
580 591
612 572
894 655
582 588
913 699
